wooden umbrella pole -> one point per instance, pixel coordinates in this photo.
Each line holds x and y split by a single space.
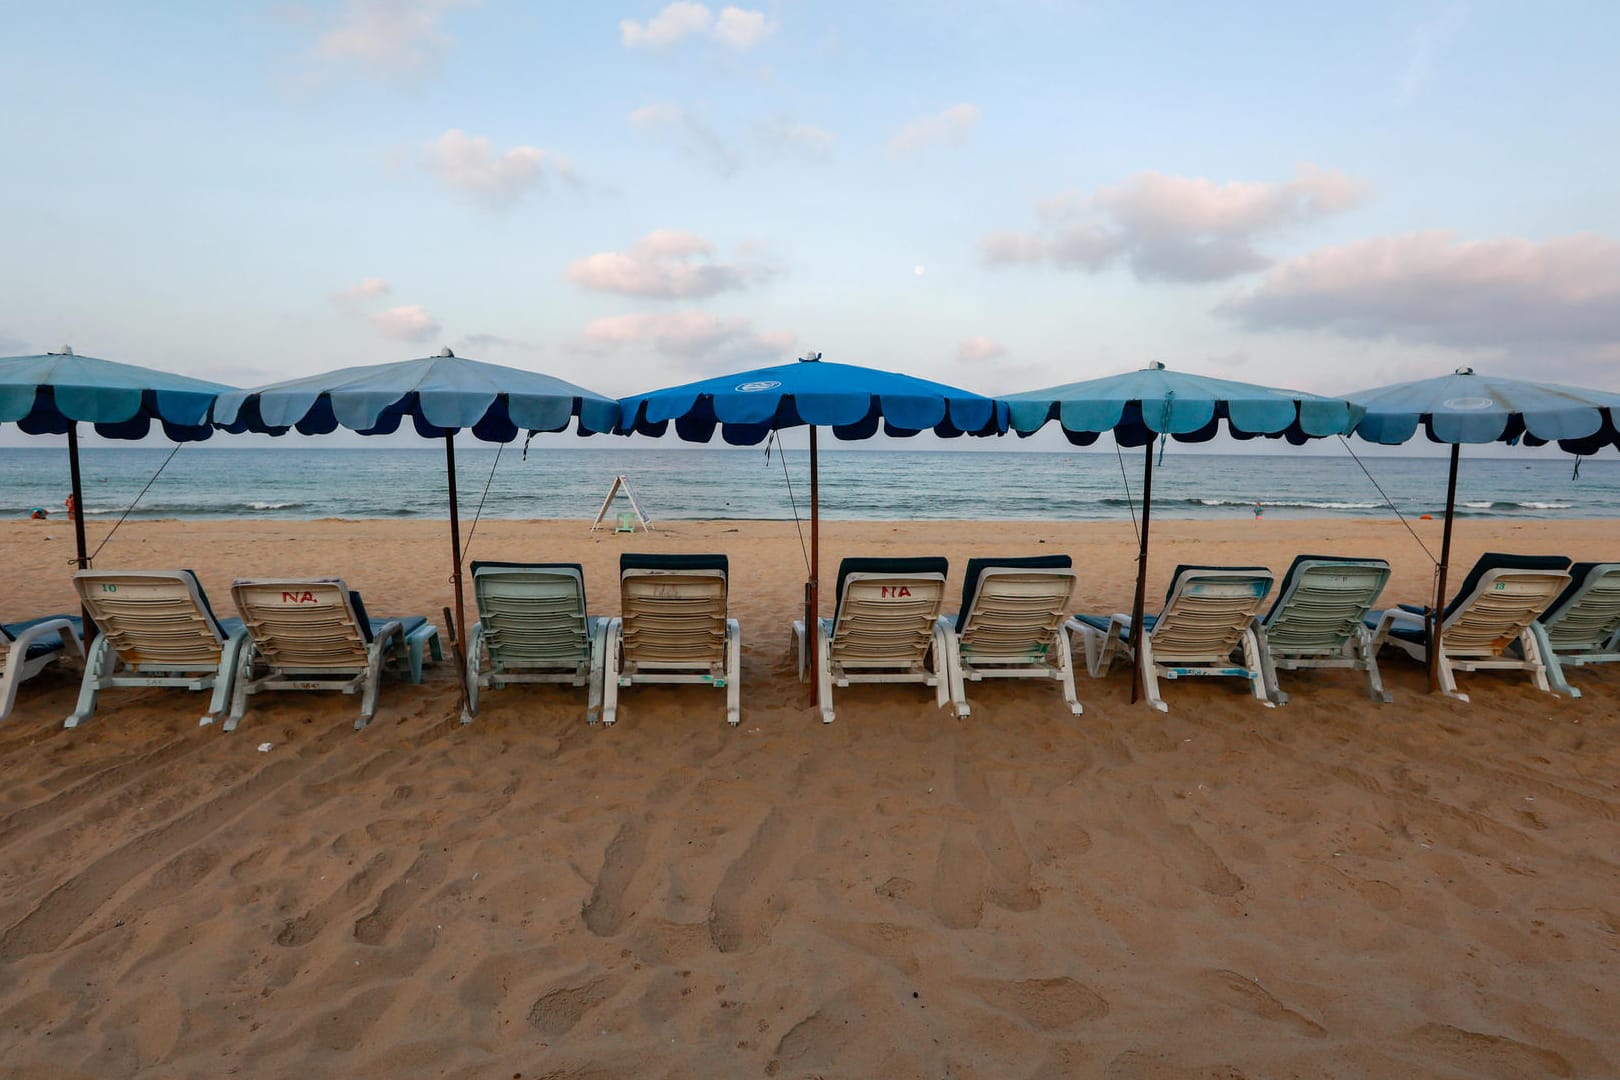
1137 687
812 588
78 519
1440 578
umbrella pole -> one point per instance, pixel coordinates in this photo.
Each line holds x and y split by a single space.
812 588
1440 578
1141 576
78 519
458 649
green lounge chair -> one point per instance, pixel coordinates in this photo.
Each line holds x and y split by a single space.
1583 624
533 628
1318 620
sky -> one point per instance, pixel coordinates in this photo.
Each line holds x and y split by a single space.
999 196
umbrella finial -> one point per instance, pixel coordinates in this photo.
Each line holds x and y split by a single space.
1156 365
446 351
809 358
1465 371
66 350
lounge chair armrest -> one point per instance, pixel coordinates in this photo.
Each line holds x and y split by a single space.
1422 610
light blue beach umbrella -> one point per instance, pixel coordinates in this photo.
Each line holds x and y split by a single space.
1464 407
440 395
853 401
53 394
1140 406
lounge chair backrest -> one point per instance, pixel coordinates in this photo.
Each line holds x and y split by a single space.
673 609
1586 615
310 624
1207 611
887 609
1323 602
156 619
533 613
1012 608
1500 597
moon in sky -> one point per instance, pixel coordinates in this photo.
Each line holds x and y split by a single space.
919 270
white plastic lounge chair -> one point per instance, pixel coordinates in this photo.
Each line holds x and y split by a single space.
1318 620
27 648
157 629
886 628
314 634
674 629
1010 625
1495 606
1208 614
532 628
1583 625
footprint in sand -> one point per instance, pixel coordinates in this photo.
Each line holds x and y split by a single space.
1045 1004
1239 992
1485 1055
555 1013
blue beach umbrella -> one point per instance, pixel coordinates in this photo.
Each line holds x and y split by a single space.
1467 408
53 394
853 401
1139 407
440 395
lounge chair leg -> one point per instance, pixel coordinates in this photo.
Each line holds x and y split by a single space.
824 668
799 653
733 672
1532 657
1363 643
946 671
98 665
1252 660
1448 678
1150 675
475 662
225 678
1268 667
241 685
613 666
598 631
1549 657
1065 668
373 681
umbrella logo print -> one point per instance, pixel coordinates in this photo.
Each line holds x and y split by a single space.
1468 403
756 387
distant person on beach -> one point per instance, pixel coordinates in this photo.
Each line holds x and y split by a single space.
1259 511
40 514
72 508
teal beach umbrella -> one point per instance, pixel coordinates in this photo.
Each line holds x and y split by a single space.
1139 407
1467 408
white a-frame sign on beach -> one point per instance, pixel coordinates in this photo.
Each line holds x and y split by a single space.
607 503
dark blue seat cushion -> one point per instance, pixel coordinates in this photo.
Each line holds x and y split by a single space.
1100 622
977 567
370 627
634 561
49 644
1288 578
899 567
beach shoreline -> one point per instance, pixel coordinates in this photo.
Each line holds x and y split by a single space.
1330 888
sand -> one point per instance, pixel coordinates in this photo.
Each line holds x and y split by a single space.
1331 888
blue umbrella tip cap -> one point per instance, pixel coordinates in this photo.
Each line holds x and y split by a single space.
446 351
66 350
1156 365
1465 371
809 358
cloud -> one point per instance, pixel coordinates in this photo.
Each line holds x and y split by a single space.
686 334
784 133
400 40
666 263
736 27
358 295
407 323
1432 288
469 164
978 349
696 137
1173 228
1428 42
951 126
497 341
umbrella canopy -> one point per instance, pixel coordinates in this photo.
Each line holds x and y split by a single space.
1139 406
441 395
1464 407
54 393
852 400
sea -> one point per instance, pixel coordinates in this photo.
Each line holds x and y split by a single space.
210 481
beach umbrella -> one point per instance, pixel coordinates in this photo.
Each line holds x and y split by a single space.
54 393
1138 407
441 395
853 401
1464 407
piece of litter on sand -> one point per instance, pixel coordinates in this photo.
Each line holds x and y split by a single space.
264 747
